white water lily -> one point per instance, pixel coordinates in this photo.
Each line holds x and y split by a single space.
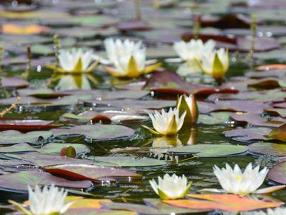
45 201
75 60
216 64
192 53
171 187
127 57
237 182
167 123
193 50
189 105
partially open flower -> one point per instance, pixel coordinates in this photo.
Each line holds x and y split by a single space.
216 64
171 187
128 58
75 61
46 201
238 182
166 123
188 105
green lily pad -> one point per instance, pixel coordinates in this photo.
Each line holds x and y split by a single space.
12 137
209 150
273 149
214 118
126 161
51 148
97 132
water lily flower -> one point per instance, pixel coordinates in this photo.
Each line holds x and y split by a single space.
75 60
216 64
189 105
166 123
46 201
128 58
192 53
193 50
237 182
171 187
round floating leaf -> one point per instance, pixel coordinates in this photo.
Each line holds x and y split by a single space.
248 134
272 149
209 150
126 161
51 148
278 173
13 137
89 172
97 132
214 118
278 133
18 182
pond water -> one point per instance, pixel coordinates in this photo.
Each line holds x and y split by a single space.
84 110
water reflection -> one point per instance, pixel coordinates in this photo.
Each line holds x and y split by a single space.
72 82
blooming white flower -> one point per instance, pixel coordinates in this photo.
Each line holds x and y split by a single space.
171 187
216 63
127 57
75 60
189 105
193 50
234 181
167 123
45 201
49 200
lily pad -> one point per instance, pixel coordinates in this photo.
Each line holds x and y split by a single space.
97 132
278 173
89 172
126 161
12 137
18 182
265 148
209 150
51 148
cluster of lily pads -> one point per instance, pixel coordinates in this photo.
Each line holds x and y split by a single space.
254 103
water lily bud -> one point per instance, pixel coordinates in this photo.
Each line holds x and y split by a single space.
189 105
216 64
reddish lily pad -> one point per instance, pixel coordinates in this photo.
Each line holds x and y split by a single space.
278 173
226 202
248 134
26 125
89 172
256 120
278 133
18 182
